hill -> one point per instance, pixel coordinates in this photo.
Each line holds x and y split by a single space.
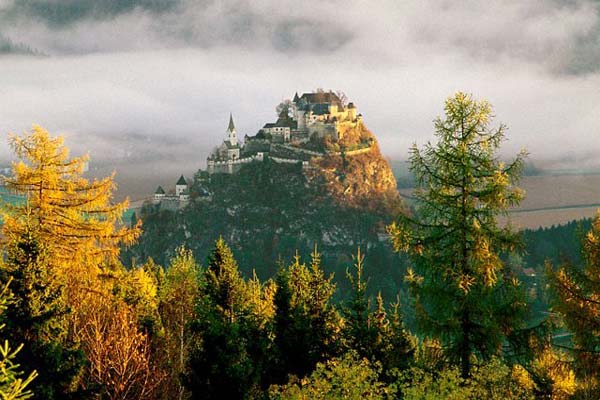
333 190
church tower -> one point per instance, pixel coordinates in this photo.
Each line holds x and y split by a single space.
232 132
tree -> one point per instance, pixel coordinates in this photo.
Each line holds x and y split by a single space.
36 316
229 360
347 377
119 353
371 332
307 326
178 298
80 231
74 218
463 294
284 108
577 299
12 385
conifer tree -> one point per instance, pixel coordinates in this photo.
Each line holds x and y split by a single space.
307 326
229 359
13 383
74 218
36 316
577 293
371 332
79 229
453 237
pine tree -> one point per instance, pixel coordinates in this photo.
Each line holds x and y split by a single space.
454 238
577 299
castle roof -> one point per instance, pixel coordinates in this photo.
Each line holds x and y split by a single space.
321 98
296 98
320 109
181 181
159 190
231 126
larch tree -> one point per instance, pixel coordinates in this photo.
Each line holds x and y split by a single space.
74 218
577 299
74 221
464 296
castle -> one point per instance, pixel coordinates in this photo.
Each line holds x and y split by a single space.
312 115
175 199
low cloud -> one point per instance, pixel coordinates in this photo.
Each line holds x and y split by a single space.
152 82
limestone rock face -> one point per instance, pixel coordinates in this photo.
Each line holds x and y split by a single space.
358 175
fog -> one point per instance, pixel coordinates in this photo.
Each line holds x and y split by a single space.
148 84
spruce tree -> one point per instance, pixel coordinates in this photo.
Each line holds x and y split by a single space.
178 298
369 331
228 360
307 325
463 294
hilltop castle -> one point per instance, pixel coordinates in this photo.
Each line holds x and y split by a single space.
312 115
294 138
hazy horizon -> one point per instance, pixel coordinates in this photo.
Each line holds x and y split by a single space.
149 84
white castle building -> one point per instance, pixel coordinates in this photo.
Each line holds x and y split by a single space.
176 199
316 114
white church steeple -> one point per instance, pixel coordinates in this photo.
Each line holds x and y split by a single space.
232 132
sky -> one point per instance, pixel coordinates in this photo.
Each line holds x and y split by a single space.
149 84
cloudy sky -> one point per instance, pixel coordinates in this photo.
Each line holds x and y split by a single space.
153 81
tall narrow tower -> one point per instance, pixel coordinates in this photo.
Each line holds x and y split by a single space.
232 132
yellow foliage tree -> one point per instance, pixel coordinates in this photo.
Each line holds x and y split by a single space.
119 354
74 217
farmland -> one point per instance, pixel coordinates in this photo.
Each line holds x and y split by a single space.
552 199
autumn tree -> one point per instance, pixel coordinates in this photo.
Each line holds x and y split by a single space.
463 294
179 295
36 316
76 224
74 218
577 299
119 353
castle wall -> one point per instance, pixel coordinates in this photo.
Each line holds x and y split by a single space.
323 130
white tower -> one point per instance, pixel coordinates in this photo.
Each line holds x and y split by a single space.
232 132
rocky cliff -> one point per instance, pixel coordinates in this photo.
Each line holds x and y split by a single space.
356 173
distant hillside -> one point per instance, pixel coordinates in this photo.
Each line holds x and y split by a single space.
266 212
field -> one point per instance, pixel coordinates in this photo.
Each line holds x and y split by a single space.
553 199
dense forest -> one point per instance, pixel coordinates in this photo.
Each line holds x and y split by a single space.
243 298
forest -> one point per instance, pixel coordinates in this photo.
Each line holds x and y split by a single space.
91 308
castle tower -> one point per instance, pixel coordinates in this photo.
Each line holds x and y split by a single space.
231 132
181 186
